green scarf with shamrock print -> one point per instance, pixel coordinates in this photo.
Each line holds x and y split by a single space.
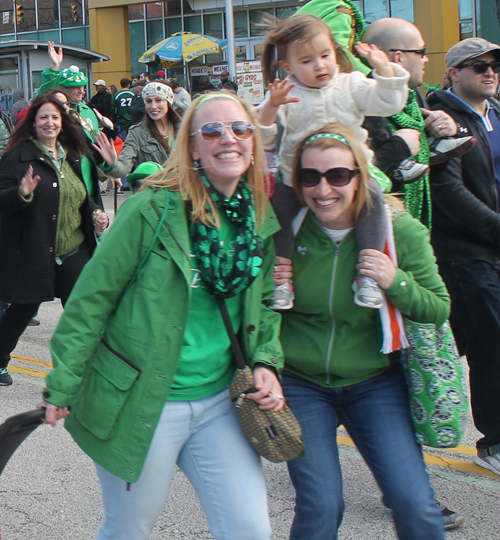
220 277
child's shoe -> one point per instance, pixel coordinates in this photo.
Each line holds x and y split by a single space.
282 297
442 150
410 171
367 293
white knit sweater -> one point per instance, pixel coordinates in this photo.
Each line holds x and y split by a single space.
347 99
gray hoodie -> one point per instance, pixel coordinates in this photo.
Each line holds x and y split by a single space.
19 104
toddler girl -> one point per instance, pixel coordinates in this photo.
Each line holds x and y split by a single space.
322 88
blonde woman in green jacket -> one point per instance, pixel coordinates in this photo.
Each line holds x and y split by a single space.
334 370
141 354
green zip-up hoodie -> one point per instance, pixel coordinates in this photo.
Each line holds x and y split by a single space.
117 386
326 337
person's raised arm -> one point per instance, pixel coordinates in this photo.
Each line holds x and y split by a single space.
56 56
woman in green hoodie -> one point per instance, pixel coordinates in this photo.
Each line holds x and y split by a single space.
335 372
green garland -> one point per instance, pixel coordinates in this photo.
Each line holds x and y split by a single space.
417 194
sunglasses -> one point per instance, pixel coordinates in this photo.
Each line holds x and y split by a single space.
481 66
336 177
421 52
213 131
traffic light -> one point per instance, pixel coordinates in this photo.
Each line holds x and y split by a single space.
19 14
74 13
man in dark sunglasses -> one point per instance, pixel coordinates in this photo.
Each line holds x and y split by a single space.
399 142
466 231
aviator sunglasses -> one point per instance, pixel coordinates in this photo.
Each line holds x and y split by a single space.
336 177
213 131
481 66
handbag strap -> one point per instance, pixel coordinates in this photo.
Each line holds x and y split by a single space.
235 345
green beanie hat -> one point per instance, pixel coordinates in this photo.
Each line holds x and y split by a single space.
72 77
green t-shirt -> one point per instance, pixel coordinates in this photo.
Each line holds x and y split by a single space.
206 363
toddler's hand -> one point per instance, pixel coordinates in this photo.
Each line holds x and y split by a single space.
278 92
377 58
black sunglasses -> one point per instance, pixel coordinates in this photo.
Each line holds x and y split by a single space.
481 66
336 177
416 51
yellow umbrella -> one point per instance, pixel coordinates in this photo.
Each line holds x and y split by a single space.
182 45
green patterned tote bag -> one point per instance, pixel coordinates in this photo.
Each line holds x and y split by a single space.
437 387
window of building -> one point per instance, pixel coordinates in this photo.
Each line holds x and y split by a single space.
193 24
403 9
466 30
76 37
375 9
173 26
49 35
154 10
186 7
256 16
467 18
25 15
258 51
154 32
240 24
286 12
28 36
71 13
137 46
212 25
172 8
135 12
48 14
7 14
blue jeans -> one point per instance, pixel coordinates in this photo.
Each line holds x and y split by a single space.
474 287
377 415
205 439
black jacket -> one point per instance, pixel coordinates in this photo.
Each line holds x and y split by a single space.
390 150
102 102
28 230
465 218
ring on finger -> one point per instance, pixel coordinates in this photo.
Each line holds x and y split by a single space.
439 127
369 265
275 269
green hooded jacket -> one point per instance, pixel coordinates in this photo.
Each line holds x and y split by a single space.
326 337
118 383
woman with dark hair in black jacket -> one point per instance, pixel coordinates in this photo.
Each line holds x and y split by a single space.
49 224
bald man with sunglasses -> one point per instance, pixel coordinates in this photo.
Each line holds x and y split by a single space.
466 230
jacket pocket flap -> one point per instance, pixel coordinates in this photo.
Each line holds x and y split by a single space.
149 148
114 367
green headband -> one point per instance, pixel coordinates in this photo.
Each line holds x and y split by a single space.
333 136
204 99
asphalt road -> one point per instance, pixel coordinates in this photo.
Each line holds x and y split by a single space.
49 489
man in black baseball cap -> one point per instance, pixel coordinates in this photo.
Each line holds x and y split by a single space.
466 231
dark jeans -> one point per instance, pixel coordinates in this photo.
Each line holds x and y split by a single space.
377 415
15 319
474 287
